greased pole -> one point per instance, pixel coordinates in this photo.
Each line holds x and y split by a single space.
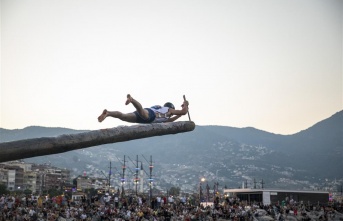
189 117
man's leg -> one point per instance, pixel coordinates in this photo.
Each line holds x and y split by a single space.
129 117
141 111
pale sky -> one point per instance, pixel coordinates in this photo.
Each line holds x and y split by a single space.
273 65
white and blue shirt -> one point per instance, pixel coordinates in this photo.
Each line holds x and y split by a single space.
161 113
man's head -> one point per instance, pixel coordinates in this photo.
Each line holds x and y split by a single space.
170 105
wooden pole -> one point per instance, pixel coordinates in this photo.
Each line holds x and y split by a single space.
21 149
189 117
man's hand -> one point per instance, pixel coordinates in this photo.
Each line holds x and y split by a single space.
185 103
185 106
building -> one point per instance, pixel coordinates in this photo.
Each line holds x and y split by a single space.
30 179
49 177
271 196
16 172
20 176
7 178
85 182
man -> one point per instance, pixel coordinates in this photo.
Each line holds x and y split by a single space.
155 114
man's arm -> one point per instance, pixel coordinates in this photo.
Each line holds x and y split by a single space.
183 111
174 118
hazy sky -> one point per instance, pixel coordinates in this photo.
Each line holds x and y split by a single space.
272 65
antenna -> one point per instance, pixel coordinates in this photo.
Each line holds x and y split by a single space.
262 183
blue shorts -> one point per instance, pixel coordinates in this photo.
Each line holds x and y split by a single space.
141 120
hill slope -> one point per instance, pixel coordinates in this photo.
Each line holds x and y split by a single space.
234 154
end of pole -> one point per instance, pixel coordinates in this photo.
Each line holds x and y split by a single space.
189 117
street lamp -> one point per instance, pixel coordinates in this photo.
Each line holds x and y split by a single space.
200 188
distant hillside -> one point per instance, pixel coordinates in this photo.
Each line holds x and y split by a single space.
234 154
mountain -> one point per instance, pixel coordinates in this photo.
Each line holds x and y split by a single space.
229 155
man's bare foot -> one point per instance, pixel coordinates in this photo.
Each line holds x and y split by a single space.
103 116
129 99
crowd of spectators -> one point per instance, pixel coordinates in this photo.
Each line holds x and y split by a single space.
139 208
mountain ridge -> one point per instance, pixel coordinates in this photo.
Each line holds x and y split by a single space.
302 159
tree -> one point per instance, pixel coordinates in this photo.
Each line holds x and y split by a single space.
91 192
54 192
175 191
27 191
3 189
75 183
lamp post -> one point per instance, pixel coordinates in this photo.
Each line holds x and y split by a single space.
216 184
136 175
200 188
150 181
123 179
107 181
150 178
109 177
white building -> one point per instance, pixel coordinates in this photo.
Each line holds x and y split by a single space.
4 178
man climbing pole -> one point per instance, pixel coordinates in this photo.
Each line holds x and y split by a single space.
155 114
